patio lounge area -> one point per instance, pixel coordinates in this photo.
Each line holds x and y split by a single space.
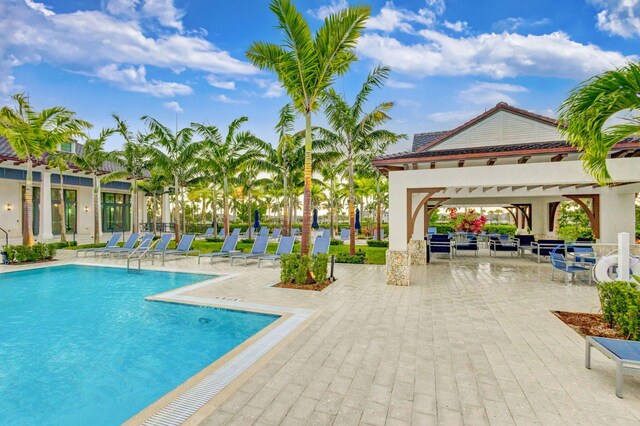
472 343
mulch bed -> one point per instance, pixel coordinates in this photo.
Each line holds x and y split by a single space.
586 324
312 287
31 263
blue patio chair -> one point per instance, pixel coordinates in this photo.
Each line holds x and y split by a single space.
543 248
276 233
145 243
228 247
440 244
569 268
113 242
128 245
285 246
470 245
321 245
625 353
236 232
162 244
183 249
221 233
326 233
345 233
208 233
584 255
264 231
258 249
497 245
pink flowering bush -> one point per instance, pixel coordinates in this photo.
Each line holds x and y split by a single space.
471 221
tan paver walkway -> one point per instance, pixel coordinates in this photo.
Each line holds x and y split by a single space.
472 341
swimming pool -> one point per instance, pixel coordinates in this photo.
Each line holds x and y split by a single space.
80 345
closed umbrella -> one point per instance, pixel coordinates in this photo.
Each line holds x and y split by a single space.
256 220
357 226
314 225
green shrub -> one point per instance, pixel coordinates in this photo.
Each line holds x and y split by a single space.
376 243
620 303
288 267
335 242
214 240
301 275
296 268
573 232
319 267
357 258
34 253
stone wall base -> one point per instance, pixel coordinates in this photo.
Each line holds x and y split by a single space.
417 252
398 268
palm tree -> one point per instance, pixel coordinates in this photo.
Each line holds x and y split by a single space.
584 114
175 153
224 157
91 159
31 133
135 159
154 185
248 180
60 161
307 65
353 132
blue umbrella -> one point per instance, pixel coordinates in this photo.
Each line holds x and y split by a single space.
358 219
314 225
256 220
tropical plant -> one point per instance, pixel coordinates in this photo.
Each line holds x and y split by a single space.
468 221
355 132
248 180
155 185
175 153
585 114
332 175
60 161
134 158
307 65
91 159
31 133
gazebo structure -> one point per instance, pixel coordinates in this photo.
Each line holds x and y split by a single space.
505 157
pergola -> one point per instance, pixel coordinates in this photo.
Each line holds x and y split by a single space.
505 157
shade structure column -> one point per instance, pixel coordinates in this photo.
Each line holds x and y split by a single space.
617 214
398 268
539 219
166 207
46 219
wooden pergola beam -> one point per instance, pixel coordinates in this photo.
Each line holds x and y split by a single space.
491 161
558 157
412 214
461 163
524 159
593 212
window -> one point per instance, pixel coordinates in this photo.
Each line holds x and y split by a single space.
35 213
66 147
70 210
116 212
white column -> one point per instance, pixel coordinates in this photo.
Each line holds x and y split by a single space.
539 219
166 208
46 232
143 207
617 214
397 214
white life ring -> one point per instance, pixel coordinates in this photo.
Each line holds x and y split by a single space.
602 269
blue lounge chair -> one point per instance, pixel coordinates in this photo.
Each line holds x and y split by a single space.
326 233
295 232
285 246
625 353
321 245
345 233
567 267
145 243
128 245
221 233
162 244
264 231
228 247
259 248
183 249
113 242
276 234
208 233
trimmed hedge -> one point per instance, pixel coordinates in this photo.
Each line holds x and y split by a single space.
299 269
34 253
359 258
572 232
376 243
444 228
620 303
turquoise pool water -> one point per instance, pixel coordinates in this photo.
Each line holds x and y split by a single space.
79 345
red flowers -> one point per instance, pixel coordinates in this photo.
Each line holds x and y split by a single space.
467 222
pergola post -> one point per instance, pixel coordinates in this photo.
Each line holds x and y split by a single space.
616 214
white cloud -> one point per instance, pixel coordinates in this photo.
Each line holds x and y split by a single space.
619 17
438 6
165 12
457 26
220 84
494 55
329 9
515 23
453 117
227 100
394 84
39 7
275 90
173 106
122 7
392 19
135 80
485 93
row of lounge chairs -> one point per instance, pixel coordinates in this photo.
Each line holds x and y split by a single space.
264 232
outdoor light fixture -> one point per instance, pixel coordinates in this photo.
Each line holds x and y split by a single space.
9 207
86 209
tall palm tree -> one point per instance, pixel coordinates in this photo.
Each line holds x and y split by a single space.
135 159
354 132
175 153
332 174
60 161
31 133
307 65
584 115
225 156
248 180
155 186
91 159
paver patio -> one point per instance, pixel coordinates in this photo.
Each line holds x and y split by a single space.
472 341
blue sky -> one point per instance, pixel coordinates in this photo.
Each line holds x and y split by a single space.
184 60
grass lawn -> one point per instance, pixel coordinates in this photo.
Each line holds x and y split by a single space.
375 255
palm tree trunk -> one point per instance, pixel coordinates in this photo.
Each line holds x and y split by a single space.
214 215
61 211
27 222
136 209
249 228
352 223
331 221
155 213
225 205
285 210
176 212
96 213
306 206
378 209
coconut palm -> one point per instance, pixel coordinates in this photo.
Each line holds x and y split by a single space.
154 186
134 158
307 65
585 113
31 133
60 161
175 153
91 159
354 132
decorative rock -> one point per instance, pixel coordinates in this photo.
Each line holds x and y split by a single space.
418 252
398 268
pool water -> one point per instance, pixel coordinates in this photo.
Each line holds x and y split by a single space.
79 344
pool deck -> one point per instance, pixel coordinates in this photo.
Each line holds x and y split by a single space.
472 341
